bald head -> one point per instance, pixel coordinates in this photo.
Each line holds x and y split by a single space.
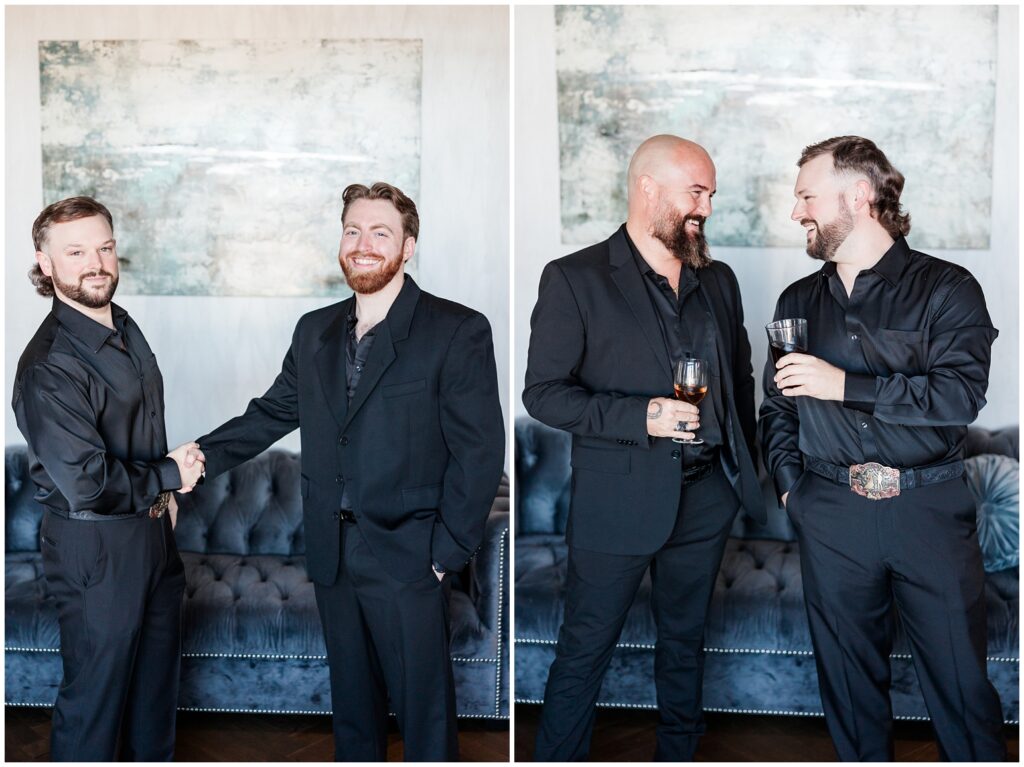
666 159
671 182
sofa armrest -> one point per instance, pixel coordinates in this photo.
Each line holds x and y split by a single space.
488 570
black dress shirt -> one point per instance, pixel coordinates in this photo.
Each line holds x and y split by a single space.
688 330
914 337
90 403
356 353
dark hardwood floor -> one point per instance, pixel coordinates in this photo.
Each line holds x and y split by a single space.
252 738
628 736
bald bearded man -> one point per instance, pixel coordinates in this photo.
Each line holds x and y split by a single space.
609 324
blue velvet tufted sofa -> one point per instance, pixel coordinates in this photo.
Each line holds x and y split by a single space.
759 658
252 638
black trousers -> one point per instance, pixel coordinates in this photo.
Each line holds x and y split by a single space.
599 591
118 586
387 638
919 551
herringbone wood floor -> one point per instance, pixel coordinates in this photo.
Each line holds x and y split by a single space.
252 738
628 736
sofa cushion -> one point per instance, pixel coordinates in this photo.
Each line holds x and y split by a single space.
757 605
234 606
22 515
995 482
542 477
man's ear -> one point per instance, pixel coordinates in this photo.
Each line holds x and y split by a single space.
408 248
44 263
863 194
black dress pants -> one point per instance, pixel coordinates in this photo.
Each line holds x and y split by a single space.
387 638
920 551
118 586
600 589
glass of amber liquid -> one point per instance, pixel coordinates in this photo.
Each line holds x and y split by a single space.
691 384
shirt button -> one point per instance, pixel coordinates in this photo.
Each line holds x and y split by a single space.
338 479
863 425
343 440
675 455
853 337
152 413
359 368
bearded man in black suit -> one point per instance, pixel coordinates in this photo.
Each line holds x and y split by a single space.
609 324
395 394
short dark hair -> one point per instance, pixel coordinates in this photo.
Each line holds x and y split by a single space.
860 155
60 212
383 191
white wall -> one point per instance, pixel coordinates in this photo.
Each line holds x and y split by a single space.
763 272
216 353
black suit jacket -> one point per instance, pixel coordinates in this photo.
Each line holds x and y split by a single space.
596 358
421 447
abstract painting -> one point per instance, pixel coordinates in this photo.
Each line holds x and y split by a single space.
223 162
754 85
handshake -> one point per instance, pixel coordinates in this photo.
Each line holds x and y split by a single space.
191 464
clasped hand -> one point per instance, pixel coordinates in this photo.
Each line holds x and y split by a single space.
191 464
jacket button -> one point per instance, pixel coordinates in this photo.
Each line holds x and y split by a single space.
675 455
343 440
338 479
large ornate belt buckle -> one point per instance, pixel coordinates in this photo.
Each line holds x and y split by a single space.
874 481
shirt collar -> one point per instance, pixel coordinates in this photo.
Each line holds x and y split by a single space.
686 275
889 267
92 333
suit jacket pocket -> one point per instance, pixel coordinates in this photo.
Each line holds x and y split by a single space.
424 497
610 460
400 389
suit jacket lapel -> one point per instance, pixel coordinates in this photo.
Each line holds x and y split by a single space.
394 328
330 362
629 281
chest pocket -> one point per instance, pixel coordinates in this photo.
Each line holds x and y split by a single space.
902 351
402 389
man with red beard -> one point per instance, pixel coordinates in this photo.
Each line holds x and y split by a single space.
395 394
89 399
610 322
864 437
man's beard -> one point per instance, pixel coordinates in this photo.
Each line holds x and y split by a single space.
371 282
81 295
691 249
829 237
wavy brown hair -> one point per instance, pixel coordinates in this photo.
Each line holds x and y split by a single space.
70 209
860 155
382 191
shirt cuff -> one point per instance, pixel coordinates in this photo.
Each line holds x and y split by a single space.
170 477
786 476
859 393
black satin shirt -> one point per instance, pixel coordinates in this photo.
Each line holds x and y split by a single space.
688 330
356 353
915 340
90 403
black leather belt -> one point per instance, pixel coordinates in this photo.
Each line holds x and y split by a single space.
697 473
347 516
874 481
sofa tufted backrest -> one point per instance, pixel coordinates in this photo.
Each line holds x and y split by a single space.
542 478
256 508
22 515
543 481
